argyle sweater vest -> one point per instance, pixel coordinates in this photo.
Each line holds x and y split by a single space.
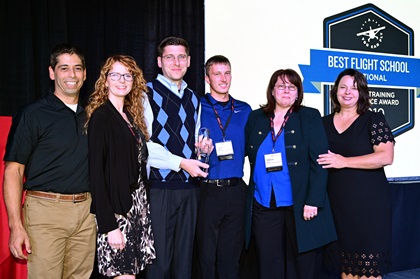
174 128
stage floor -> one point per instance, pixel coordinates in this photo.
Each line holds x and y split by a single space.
405 274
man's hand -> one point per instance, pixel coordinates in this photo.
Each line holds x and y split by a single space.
19 242
193 167
12 190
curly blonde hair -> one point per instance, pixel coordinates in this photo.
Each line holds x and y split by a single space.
133 102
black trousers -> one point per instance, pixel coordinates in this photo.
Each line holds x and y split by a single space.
174 215
276 245
220 230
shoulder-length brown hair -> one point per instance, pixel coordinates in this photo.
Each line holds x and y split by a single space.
363 103
294 79
133 102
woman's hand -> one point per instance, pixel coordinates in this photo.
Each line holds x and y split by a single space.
116 239
331 160
382 155
309 212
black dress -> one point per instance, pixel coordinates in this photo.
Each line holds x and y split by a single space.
360 200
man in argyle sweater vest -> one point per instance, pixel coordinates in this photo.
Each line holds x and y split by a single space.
172 116
173 128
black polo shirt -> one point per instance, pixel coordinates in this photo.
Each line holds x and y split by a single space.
47 137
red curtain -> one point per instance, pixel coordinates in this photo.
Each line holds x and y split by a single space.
10 267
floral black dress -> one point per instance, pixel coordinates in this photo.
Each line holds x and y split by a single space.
136 228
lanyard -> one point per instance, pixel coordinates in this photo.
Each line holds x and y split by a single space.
219 121
275 137
134 132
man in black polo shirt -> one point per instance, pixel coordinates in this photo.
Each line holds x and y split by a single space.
47 150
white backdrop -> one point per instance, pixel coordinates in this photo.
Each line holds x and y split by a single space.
262 36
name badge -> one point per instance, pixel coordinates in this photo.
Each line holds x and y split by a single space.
273 162
224 150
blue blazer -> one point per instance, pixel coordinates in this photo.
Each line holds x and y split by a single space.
305 139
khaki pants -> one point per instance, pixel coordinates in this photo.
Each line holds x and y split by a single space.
62 235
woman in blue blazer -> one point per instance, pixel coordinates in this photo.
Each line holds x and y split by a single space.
288 210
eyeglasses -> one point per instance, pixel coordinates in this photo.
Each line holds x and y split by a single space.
171 57
117 76
283 87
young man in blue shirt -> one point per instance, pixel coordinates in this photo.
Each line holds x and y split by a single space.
220 223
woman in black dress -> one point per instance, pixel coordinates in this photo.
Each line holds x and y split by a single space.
360 145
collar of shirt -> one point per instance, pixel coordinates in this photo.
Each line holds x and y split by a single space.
172 86
215 102
58 104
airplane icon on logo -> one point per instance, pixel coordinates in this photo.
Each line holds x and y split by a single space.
371 33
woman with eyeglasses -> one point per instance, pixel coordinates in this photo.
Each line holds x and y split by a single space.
288 211
118 154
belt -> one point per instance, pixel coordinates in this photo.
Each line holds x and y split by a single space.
222 182
58 197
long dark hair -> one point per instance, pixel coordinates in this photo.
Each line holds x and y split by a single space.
363 103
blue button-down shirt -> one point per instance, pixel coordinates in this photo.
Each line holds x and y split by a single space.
279 181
